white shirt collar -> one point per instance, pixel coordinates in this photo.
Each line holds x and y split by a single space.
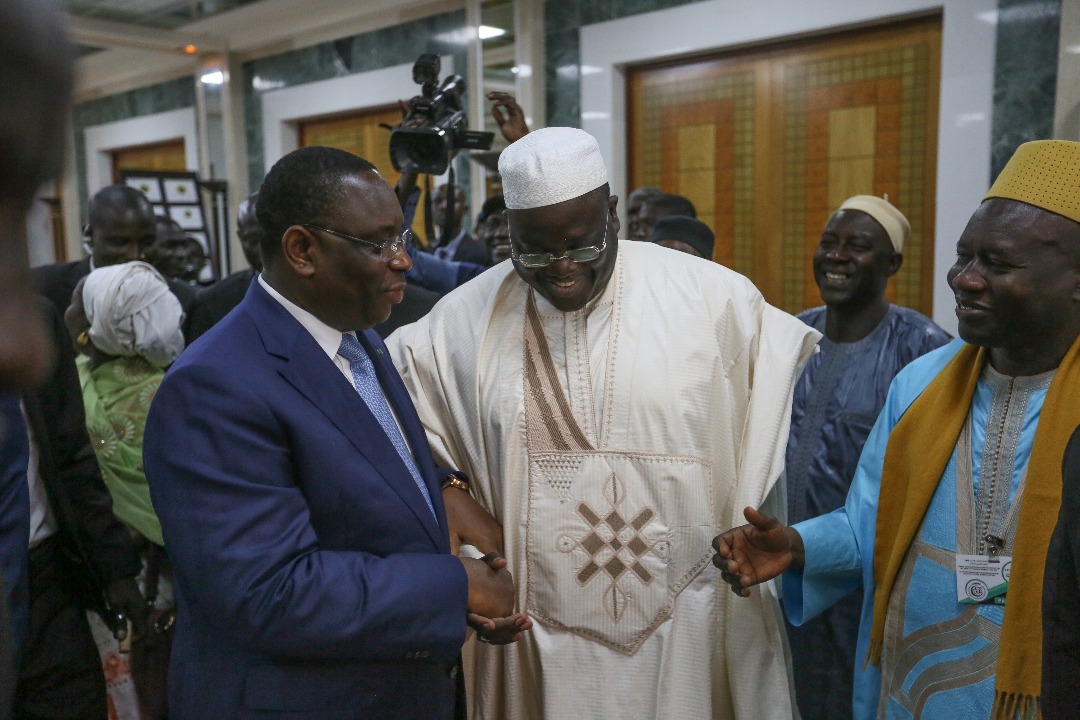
328 338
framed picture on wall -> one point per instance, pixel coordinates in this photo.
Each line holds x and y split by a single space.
176 195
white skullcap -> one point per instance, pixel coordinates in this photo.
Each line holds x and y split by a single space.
896 225
550 166
132 313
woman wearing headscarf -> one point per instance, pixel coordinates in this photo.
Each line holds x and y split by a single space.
126 324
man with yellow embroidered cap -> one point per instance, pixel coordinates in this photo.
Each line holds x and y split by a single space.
614 404
866 342
950 512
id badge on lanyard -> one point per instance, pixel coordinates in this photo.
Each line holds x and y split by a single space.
983 579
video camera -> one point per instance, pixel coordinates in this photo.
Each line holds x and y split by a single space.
435 125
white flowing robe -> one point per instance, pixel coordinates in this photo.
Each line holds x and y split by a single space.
678 378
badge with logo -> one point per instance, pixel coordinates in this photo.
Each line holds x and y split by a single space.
982 579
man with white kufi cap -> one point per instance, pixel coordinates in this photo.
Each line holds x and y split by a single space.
613 404
952 505
865 342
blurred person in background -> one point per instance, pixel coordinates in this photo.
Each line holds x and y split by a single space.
126 325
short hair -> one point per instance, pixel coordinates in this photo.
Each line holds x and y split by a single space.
645 192
301 188
492 206
117 198
247 206
672 205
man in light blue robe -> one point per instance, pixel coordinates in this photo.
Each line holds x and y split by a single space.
865 342
1017 285
842 544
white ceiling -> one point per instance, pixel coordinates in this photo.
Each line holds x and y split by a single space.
131 43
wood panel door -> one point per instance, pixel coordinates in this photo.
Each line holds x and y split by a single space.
767 143
361 134
168 155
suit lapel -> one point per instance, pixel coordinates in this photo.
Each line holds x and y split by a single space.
316 377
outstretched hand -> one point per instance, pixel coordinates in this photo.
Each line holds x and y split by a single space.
512 124
754 553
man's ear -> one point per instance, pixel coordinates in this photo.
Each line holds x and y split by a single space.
298 248
613 204
894 263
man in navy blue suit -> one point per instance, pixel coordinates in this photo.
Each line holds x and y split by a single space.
300 504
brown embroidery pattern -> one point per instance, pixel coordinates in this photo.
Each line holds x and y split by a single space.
614 546
548 414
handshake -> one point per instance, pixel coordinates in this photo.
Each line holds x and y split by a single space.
491 600
491 587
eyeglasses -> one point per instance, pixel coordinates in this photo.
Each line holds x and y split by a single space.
579 255
387 250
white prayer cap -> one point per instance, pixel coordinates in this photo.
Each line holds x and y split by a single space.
132 313
888 217
550 166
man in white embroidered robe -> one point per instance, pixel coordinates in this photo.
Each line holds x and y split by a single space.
612 403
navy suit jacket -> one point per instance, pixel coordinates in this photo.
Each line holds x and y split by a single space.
312 580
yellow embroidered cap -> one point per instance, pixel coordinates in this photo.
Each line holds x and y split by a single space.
1043 173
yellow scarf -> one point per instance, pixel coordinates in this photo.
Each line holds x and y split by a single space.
919 448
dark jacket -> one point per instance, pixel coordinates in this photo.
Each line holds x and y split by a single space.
216 301
1061 598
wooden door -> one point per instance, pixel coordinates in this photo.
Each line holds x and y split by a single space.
361 134
767 143
168 155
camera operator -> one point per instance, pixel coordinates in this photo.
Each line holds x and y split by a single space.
430 271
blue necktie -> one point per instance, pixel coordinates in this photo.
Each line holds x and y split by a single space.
367 384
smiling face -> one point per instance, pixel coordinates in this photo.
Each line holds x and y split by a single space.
353 286
1017 283
581 222
854 260
497 236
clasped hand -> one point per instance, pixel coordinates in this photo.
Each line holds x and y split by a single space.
491 587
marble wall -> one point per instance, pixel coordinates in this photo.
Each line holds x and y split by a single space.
1025 75
562 47
170 95
442 34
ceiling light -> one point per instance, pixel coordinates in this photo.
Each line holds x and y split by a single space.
486 32
212 77
191 49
